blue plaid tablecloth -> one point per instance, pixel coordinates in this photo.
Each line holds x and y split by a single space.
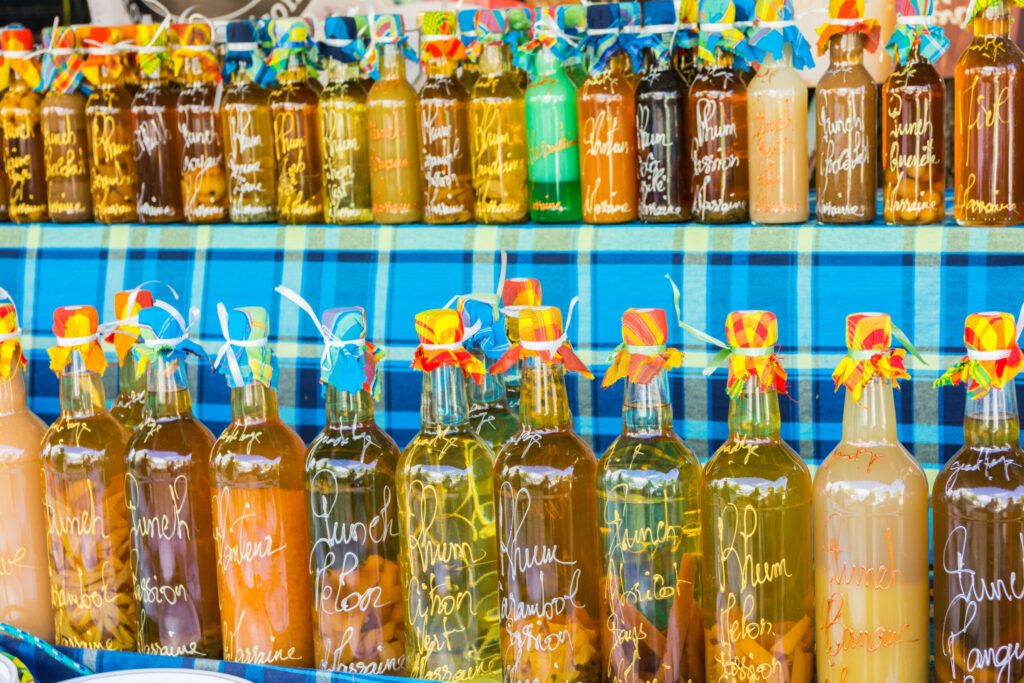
811 276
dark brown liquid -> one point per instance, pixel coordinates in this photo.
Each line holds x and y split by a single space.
661 99
157 152
443 110
23 153
66 143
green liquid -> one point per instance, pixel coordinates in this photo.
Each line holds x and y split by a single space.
556 202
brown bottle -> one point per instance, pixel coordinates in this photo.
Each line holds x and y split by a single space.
22 137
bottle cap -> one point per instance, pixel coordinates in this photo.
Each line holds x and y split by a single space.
751 337
246 356
77 329
440 332
643 352
993 354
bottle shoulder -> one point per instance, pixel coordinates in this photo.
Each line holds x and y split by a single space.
75 439
549 450
446 449
252 446
981 477
364 448
170 440
763 461
21 435
985 52
664 454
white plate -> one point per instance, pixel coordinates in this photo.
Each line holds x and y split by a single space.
156 676
8 672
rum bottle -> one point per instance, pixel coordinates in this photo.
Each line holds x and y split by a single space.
489 412
131 375
22 135
516 294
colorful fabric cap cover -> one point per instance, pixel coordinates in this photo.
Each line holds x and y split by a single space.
62 65
751 336
440 37
164 331
775 29
351 364
850 16
440 332
341 40
993 355
542 336
869 340
642 353
194 41
127 305
977 7
243 51
603 39
99 47
915 24
516 294
485 329
385 29
253 363
718 31
76 329
546 32
292 37
11 354
687 34
151 41
16 44
659 28
467 26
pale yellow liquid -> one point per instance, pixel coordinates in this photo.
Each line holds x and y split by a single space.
871 551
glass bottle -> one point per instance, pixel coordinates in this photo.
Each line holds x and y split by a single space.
661 101
648 507
845 104
65 136
158 141
443 111
606 107
447 533
83 454
344 144
516 294
489 413
716 120
777 142
248 132
24 579
497 111
357 593
989 99
871 549
545 481
759 592
395 167
172 519
259 504
130 401
4 197
114 177
23 153
294 109
204 183
552 135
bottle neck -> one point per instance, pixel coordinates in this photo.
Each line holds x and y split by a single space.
167 389
341 72
872 419
12 392
492 390
294 70
620 63
441 67
111 76
782 62
391 63
129 380
444 397
846 49
241 77
493 59
543 402
193 73
348 410
155 75
992 420
647 408
993 22
253 402
754 414
546 63
724 59
81 391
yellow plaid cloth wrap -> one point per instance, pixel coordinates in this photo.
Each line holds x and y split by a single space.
78 323
126 334
642 353
440 37
11 355
517 292
194 41
443 327
849 11
152 36
104 39
14 40
753 330
993 355
541 324
869 333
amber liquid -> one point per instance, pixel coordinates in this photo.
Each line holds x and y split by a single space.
989 149
158 149
716 123
66 144
978 546
443 112
294 108
606 107
345 148
249 142
113 173
913 149
23 155
204 183
846 139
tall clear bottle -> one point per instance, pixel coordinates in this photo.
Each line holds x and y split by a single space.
978 515
446 519
648 508
777 118
756 517
88 527
545 482
157 138
443 112
169 500
489 412
913 120
65 132
22 136
294 109
248 128
606 111
552 130
24 578
516 294
395 169
988 160
114 177
845 105
204 182
259 508
343 117
871 526
130 401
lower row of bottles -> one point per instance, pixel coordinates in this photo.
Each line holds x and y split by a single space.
495 546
